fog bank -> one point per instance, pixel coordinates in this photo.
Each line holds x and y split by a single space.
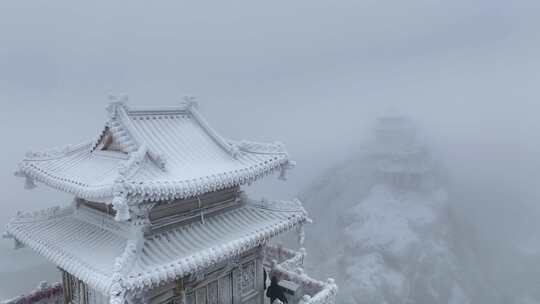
311 74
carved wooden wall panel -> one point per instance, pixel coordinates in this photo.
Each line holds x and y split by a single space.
248 279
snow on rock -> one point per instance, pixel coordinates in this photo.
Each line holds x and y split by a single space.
370 274
396 247
382 221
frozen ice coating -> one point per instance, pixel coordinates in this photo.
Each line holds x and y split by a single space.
159 216
150 155
313 74
87 245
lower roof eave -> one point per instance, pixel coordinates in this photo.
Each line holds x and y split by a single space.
192 264
99 282
89 249
28 230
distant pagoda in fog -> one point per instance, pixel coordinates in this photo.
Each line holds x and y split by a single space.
398 156
159 216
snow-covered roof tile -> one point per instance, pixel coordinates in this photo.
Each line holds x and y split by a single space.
72 242
90 248
155 154
183 251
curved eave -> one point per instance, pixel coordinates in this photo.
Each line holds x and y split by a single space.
74 187
61 235
56 255
211 256
253 162
158 190
164 190
34 166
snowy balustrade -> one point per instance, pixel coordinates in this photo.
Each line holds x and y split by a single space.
286 264
285 257
44 294
315 291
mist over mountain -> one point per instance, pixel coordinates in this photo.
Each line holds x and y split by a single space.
311 74
389 231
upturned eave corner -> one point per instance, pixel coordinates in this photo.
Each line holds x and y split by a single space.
16 243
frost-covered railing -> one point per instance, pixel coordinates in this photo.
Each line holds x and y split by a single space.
286 258
44 294
286 264
314 291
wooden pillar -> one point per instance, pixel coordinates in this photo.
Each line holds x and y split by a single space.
179 292
259 277
65 286
236 288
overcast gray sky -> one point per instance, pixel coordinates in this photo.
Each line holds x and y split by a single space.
311 74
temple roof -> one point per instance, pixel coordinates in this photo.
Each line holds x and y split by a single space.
154 154
102 252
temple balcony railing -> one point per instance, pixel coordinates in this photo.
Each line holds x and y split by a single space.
287 266
44 294
284 263
285 257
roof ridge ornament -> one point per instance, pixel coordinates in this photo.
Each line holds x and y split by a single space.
121 265
192 107
284 168
134 161
259 147
159 159
116 101
234 150
29 182
120 191
190 102
119 201
16 243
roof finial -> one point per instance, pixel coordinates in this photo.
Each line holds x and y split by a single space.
191 102
116 101
118 98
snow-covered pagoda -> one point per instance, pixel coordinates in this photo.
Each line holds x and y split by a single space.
159 215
